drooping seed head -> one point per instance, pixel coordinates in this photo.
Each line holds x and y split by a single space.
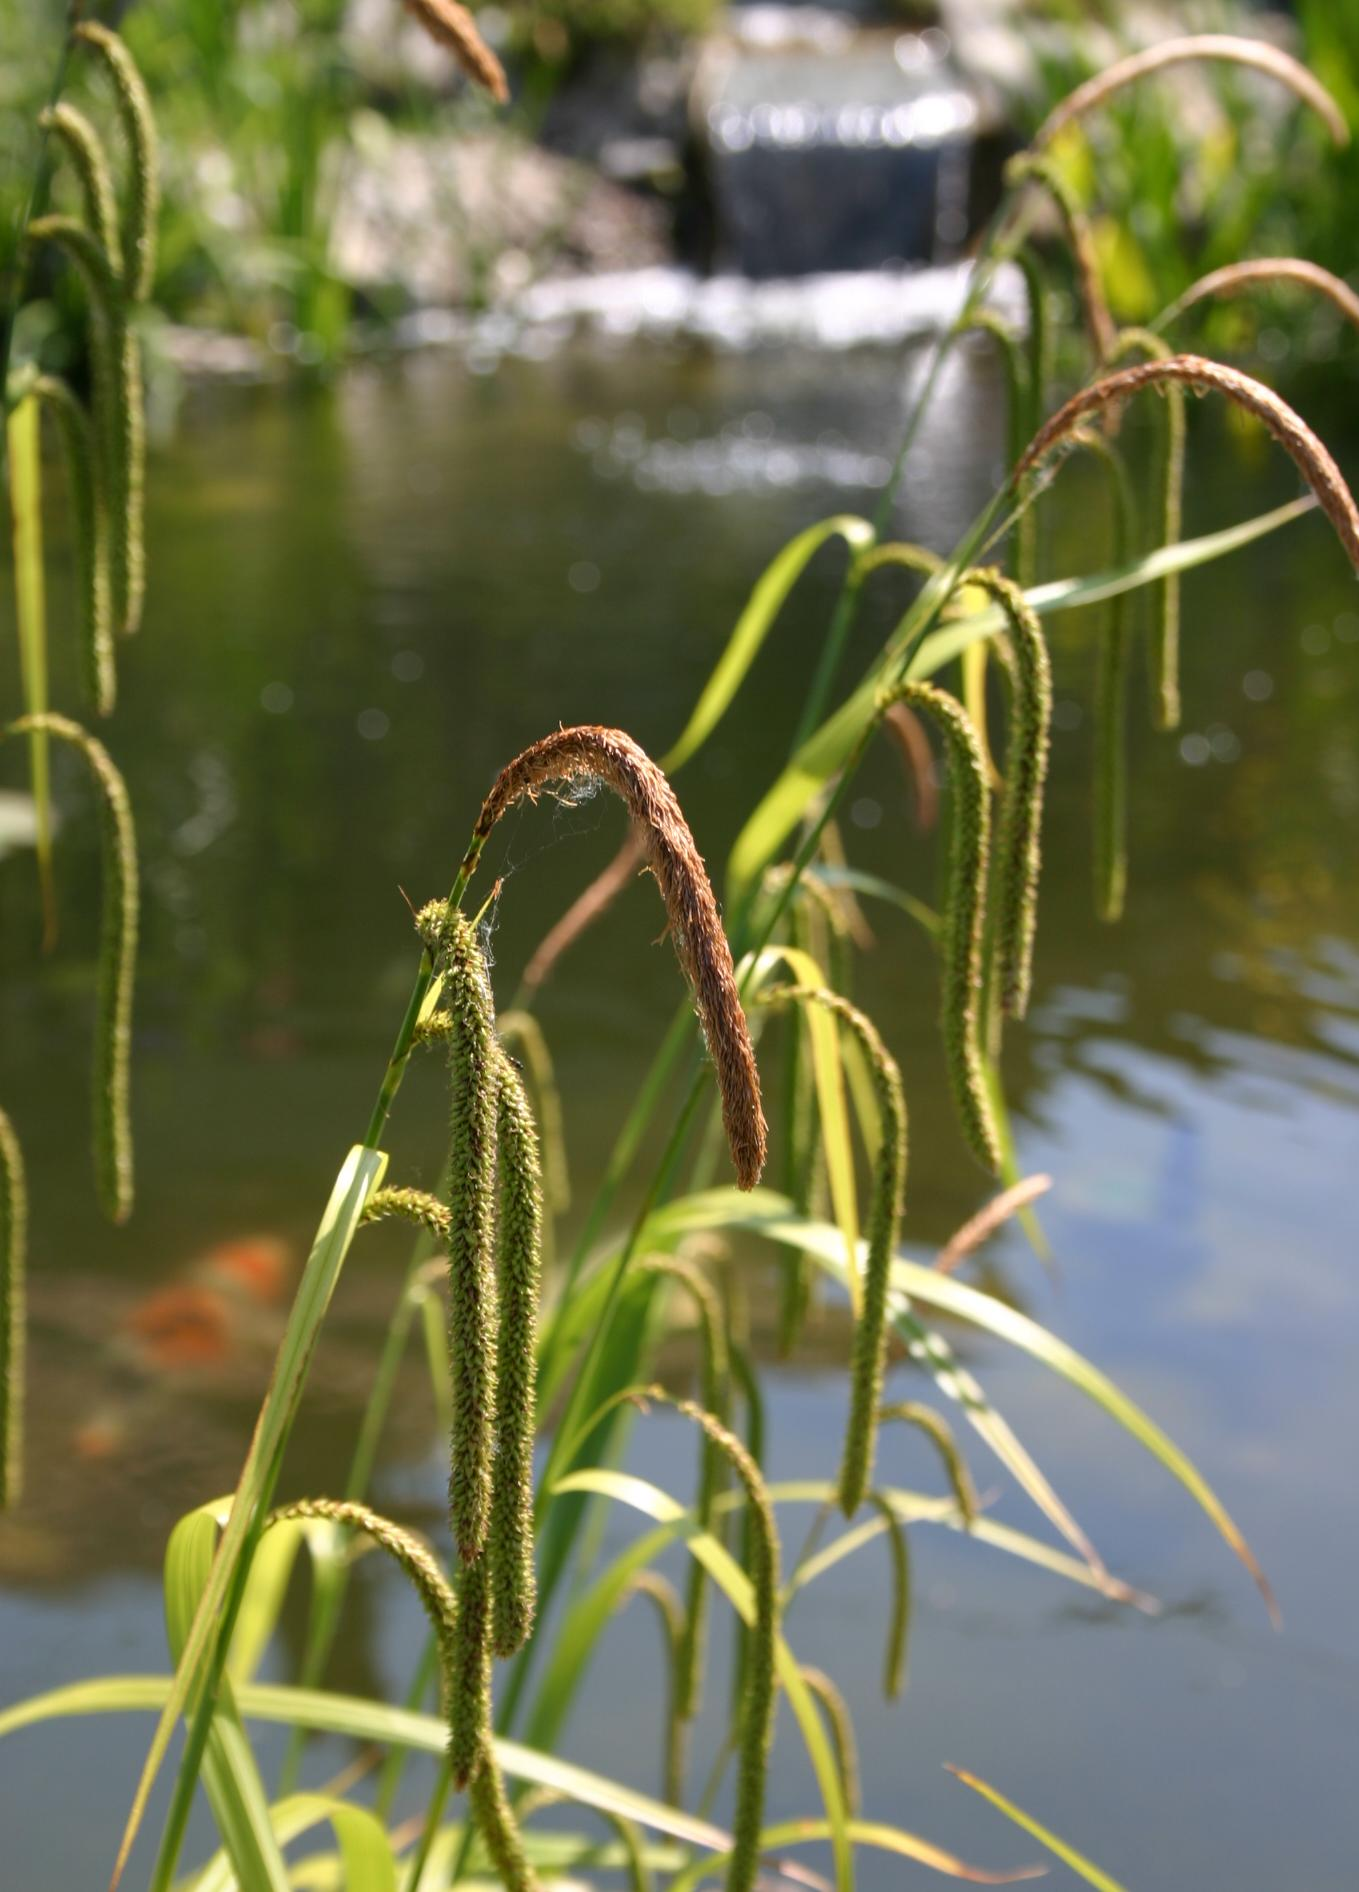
757 1712
116 411
1190 48
90 537
1028 167
471 1170
518 1256
408 1549
884 1221
469 1675
841 1722
495 1821
993 1215
117 963
610 756
925 1419
690 1652
964 921
139 130
899 1623
451 25
1236 278
1026 767
410 1205
1292 433
13 1320
89 160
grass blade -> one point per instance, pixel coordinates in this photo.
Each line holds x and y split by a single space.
30 605
1067 1854
365 1851
359 1175
889 1839
754 625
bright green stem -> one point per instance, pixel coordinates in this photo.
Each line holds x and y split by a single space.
13 1324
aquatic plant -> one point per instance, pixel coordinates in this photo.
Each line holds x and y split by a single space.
565 1363
969 854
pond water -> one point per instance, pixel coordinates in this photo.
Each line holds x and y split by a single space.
364 600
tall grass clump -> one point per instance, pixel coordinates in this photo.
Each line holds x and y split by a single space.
546 1362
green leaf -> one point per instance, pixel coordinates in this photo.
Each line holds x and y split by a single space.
230 1778
1068 594
888 1839
874 887
366 1860
359 1175
1067 1854
753 626
30 604
372 1722
723 1568
955 1297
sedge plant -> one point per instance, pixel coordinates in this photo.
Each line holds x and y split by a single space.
549 1368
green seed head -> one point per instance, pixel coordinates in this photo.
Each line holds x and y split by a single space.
139 130
969 849
519 1239
899 1623
410 1205
469 1675
884 1221
90 538
927 1420
117 964
85 149
1026 767
471 1281
841 1722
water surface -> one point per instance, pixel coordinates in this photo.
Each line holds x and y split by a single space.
364 600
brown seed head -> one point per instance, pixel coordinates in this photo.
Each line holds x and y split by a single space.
453 26
1235 277
613 758
1193 47
1192 371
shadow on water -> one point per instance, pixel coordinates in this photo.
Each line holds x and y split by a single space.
367 598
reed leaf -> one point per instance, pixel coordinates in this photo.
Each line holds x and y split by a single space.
754 625
354 1718
117 963
200 1665
365 1859
30 604
888 1839
1068 1855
